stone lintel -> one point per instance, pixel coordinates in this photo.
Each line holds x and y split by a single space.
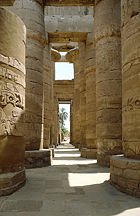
125 174
6 2
69 3
11 182
66 37
38 158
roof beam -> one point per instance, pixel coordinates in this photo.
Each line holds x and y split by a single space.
69 2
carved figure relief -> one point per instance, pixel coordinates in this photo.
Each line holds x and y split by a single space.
10 103
132 104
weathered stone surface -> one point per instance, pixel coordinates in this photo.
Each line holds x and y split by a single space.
125 174
69 2
72 55
12 101
108 79
90 73
6 2
131 78
27 10
47 98
82 50
38 158
10 182
55 55
76 105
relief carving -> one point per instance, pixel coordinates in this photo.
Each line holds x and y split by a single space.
10 103
132 104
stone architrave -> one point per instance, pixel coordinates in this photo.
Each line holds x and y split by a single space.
12 102
125 170
108 80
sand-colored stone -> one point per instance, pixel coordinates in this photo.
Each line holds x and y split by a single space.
12 101
6 2
125 170
27 10
131 79
69 2
90 72
108 79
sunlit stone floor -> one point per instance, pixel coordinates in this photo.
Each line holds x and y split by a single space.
72 186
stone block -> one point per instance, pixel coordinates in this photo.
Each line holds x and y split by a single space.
38 158
125 174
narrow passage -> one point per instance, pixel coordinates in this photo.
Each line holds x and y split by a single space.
72 186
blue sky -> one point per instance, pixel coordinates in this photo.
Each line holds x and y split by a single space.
64 71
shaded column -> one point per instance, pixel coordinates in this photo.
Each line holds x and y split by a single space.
82 95
108 79
125 170
90 72
31 12
12 102
47 86
76 105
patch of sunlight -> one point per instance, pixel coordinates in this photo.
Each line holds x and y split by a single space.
68 155
73 162
129 212
83 179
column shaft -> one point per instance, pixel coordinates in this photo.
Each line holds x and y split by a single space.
108 79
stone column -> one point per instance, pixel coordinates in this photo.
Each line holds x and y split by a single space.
125 170
82 95
72 56
31 12
12 102
90 151
76 105
108 79
47 86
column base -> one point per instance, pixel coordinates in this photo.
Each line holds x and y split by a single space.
125 174
38 158
89 153
11 182
103 160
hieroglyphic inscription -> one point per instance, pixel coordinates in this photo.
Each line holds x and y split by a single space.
11 108
12 62
11 75
10 94
132 104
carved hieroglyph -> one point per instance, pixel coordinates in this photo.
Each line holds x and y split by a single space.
31 12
